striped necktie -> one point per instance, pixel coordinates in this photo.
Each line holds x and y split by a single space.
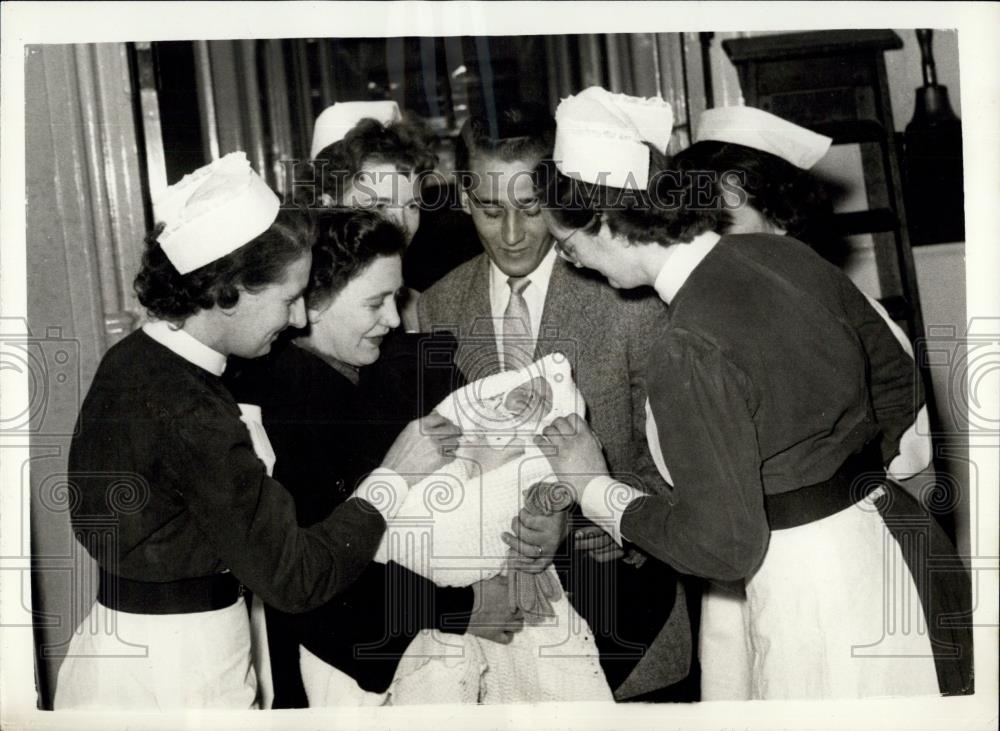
517 350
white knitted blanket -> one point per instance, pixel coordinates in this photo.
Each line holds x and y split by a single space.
448 530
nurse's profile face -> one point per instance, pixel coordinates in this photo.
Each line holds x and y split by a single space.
261 314
610 255
383 188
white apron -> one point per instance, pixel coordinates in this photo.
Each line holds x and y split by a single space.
814 622
123 660
833 612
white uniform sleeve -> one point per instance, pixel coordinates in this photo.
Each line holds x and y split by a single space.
603 502
385 490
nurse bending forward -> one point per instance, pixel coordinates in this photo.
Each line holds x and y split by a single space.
162 456
777 395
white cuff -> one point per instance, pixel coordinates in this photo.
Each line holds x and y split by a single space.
385 490
604 501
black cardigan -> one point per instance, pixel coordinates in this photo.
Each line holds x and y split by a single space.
327 434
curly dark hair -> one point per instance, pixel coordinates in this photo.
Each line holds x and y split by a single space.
670 210
349 240
517 133
404 144
168 295
786 195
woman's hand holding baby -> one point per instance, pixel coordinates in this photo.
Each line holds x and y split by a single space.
424 446
492 618
536 538
573 451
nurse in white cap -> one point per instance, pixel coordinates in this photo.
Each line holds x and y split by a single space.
368 157
170 484
776 398
769 158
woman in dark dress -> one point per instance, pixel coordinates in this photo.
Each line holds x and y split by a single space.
330 409
777 395
169 494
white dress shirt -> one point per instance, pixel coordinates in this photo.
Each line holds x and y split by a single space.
534 295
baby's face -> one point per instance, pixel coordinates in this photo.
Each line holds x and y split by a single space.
532 398
521 410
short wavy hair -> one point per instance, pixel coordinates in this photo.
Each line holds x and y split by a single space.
517 133
668 211
168 295
348 242
787 196
404 144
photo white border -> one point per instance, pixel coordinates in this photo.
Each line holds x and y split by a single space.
979 50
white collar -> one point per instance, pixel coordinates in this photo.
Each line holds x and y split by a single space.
681 260
539 278
186 346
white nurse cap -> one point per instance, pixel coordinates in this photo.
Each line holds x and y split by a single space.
600 136
214 211
763 131
334 122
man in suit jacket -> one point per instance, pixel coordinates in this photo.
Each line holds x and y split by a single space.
543 305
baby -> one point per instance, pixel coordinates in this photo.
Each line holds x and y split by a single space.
513 416
529 402
448 530
515 403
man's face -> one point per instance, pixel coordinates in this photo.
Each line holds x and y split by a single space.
507 214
